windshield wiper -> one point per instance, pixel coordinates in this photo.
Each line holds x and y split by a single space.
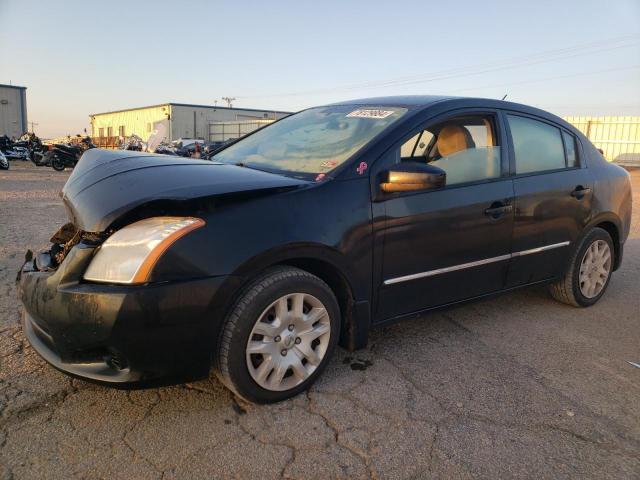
246 165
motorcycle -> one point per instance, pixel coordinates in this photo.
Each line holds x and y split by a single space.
37 153
34 147
4 163
61 156
13 150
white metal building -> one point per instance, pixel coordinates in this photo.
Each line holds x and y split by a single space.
13 110
179 120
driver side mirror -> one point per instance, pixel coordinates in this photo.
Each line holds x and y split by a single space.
412 176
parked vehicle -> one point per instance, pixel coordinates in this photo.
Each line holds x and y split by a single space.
4 162
313 230
134 142
189 150
164 149
187 147
12 149
37 154
211 148
61 156
185 142
35 148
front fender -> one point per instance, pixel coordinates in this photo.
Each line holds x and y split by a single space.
298 251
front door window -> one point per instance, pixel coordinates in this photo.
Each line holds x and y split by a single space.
465 148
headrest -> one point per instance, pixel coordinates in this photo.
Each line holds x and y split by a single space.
452 139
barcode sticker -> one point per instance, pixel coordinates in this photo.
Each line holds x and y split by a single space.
370 113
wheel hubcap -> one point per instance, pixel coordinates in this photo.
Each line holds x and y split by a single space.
288 342
595 268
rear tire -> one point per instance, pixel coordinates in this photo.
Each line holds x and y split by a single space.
589 271
279 336
57 164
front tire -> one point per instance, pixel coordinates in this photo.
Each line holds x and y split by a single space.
279 336
589 272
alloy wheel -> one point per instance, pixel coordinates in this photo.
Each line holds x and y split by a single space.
288 342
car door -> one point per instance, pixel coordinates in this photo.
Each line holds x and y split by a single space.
450 243
553 197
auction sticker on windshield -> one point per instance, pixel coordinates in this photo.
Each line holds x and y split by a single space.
370 113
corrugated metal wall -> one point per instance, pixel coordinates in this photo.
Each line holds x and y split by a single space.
193 121
618 137
138 122
183 121
13 111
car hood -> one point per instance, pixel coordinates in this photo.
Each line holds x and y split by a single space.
107 184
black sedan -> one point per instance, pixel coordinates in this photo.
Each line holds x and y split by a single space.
311 232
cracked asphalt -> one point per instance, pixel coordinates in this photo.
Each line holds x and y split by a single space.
517 386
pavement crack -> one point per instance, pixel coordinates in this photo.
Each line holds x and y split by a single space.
240 410
450 319
364 456
126 441
433 447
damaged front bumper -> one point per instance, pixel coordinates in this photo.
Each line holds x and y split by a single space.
122 335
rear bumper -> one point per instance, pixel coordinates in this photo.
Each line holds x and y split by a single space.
122 335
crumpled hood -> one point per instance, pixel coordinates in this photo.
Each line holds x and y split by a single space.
106 184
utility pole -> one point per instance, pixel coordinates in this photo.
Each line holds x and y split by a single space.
229 100
32 125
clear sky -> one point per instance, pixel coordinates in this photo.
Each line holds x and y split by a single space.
572 57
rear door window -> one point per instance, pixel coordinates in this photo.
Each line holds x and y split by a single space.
537 146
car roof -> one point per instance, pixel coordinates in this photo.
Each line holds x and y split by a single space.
409 101
423 102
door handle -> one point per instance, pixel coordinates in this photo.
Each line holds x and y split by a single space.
580 192
497 209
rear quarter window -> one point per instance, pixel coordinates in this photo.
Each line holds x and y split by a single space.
570 147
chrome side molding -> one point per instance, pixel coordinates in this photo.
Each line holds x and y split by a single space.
539 249
477 263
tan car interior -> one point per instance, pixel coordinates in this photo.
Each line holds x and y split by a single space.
453 139
461 158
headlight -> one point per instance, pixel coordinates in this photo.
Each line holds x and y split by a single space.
129 255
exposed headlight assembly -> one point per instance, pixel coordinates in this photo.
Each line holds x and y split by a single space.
129 255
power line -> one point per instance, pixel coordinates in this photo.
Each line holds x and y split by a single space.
556 77
514 62
542 57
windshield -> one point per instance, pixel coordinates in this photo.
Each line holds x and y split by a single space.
313 141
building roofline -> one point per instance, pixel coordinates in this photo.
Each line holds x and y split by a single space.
189 105
13 86
130 109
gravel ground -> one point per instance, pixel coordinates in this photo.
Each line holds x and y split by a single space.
517 386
